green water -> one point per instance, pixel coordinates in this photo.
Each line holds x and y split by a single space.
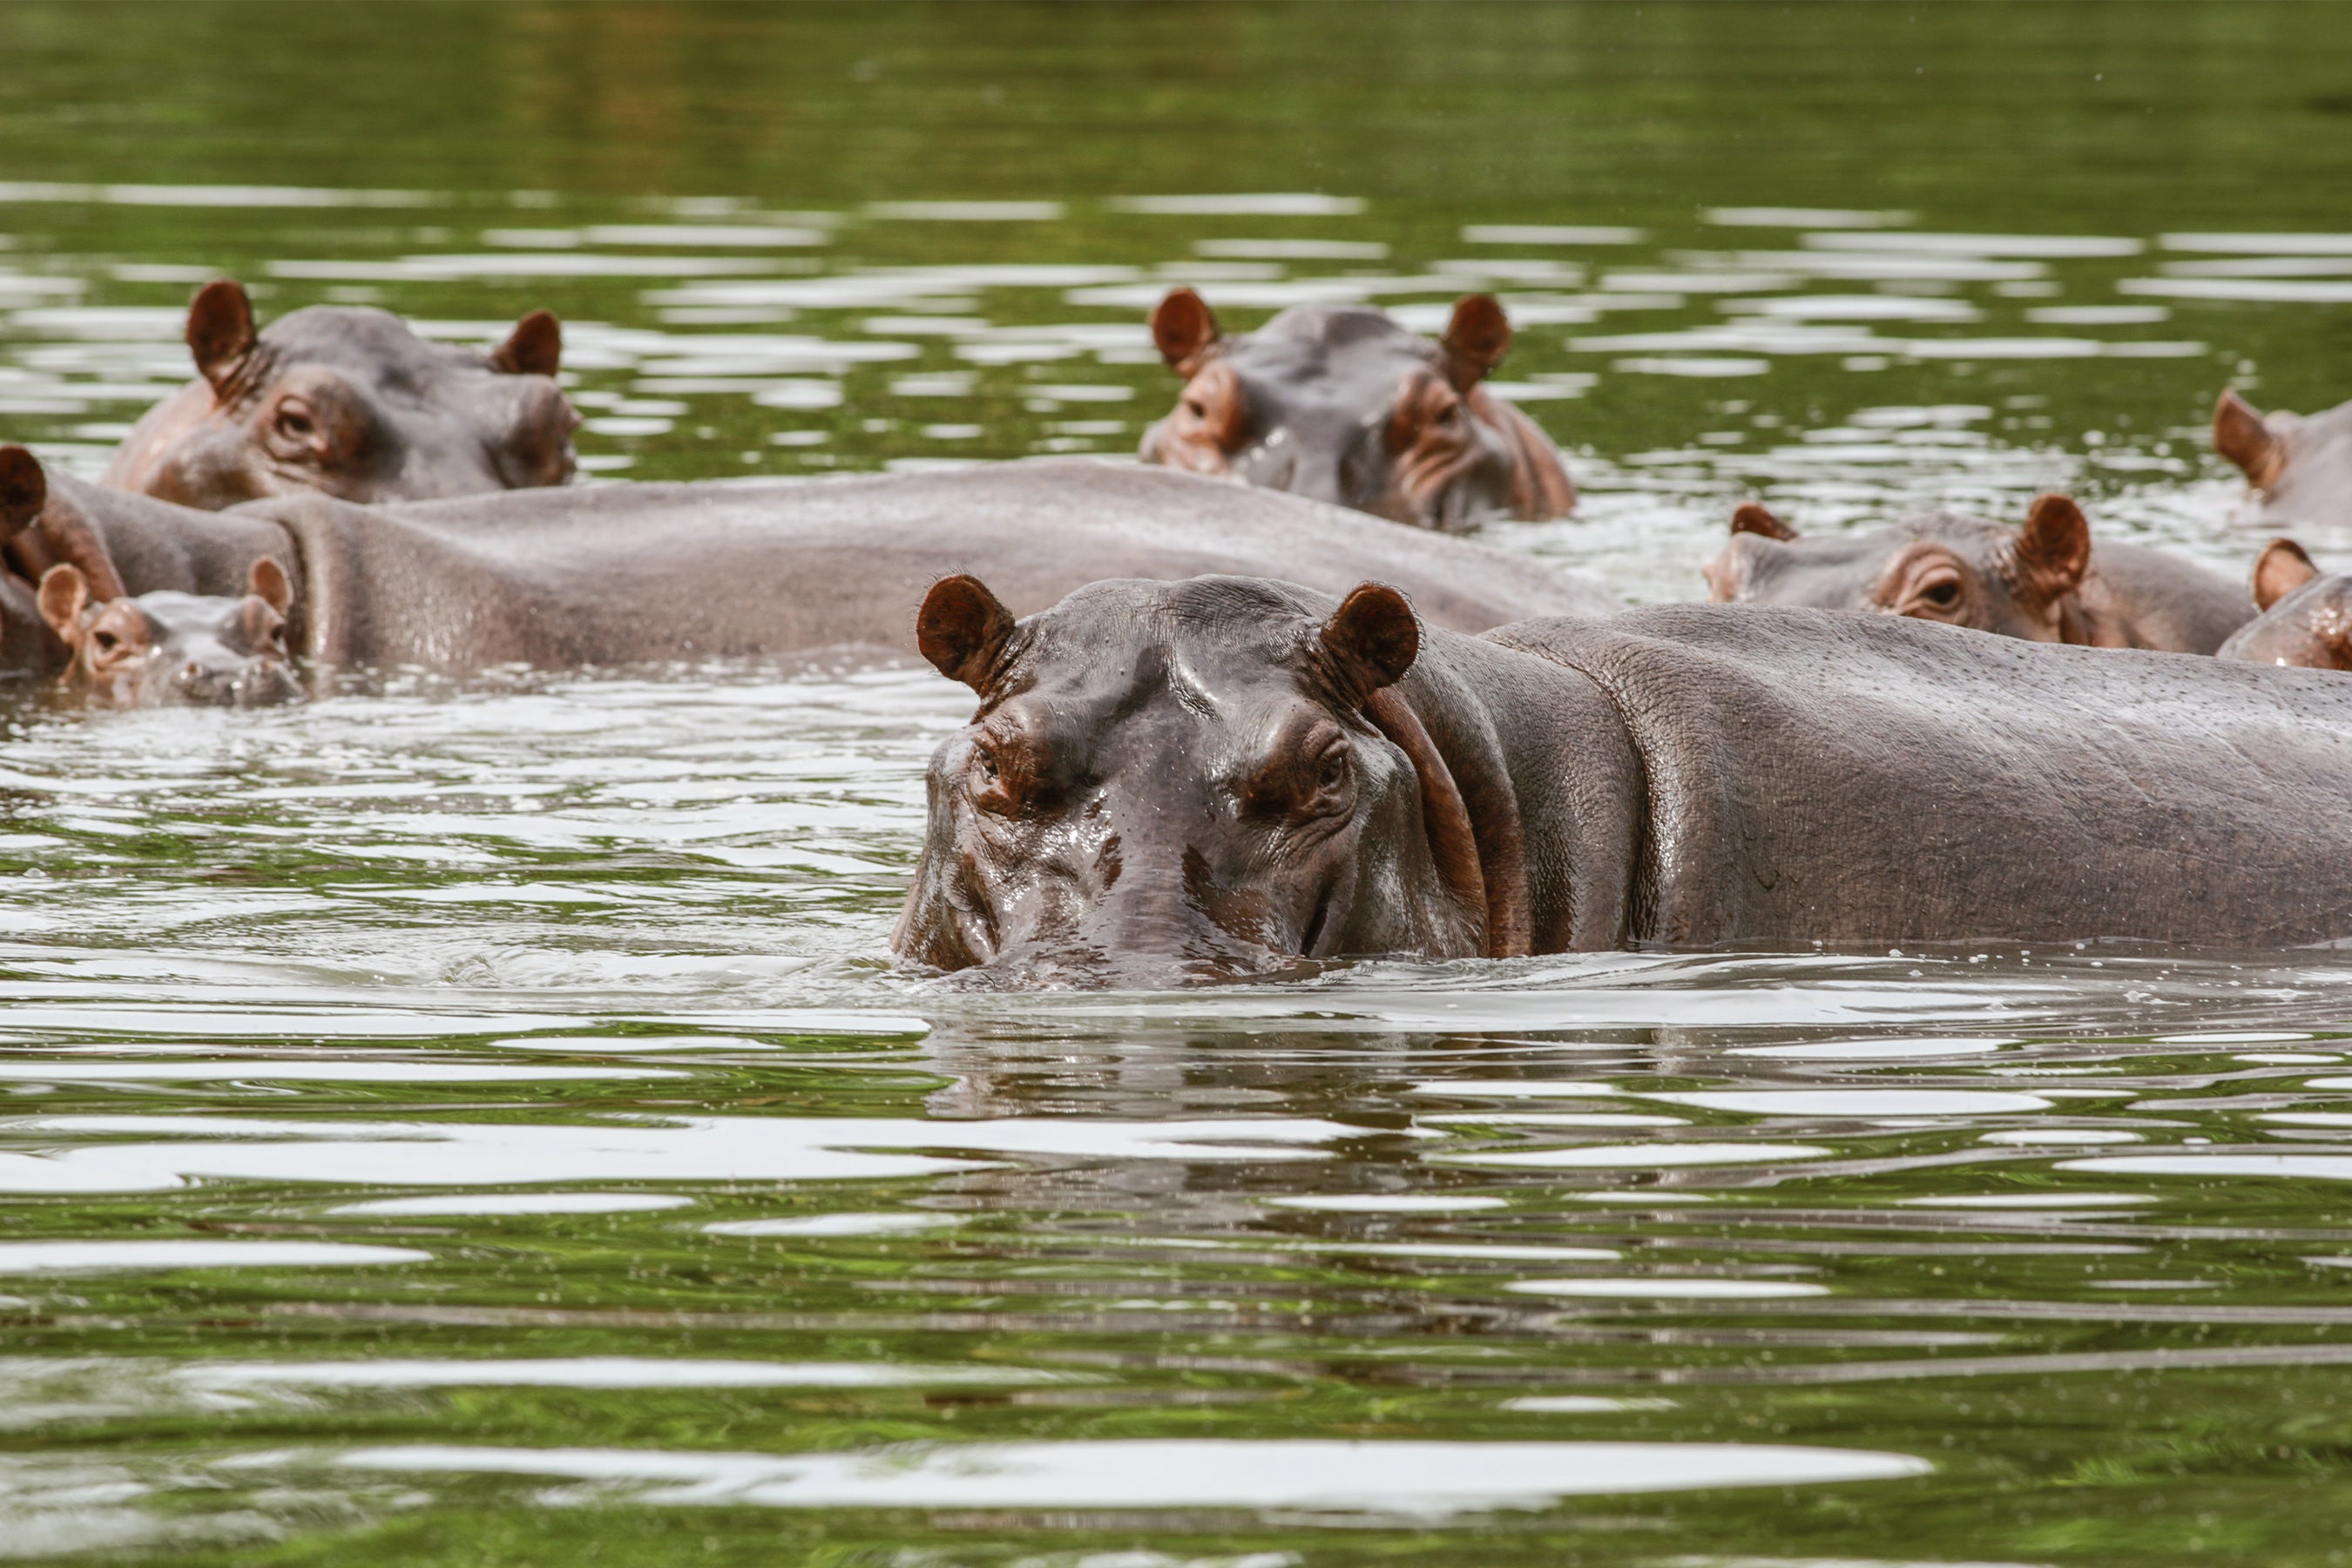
477 1123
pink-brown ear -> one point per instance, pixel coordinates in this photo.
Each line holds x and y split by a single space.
1184 328
2280 570
1476 340
65 594
962 628
534 348
1754 517
1373 636
2053 549
266 582
2242 435
23 489
220 331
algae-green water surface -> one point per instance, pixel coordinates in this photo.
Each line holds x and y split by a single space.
478 1122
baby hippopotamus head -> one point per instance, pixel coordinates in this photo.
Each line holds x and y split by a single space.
2306 619
1339 404
350 403
167 650
1184 782
2298 467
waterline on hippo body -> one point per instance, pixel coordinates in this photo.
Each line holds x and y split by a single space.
347 401
1185 782
1339 404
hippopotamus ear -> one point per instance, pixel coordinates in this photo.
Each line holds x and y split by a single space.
1185 329
1754 518
1372 638
534 348
2053 550
2242 435
1476 340
220 331
266 582
23 489
2280 570
65 594
962 628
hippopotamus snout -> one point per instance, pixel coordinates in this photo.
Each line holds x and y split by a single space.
260 682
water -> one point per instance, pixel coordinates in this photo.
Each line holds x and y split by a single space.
476 1122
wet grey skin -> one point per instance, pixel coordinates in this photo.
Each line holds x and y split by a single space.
1229 779
1341 404
2306 613
2044 581
347 402
165 650
631 573
2298 467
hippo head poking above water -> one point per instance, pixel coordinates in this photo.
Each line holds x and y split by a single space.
166 650
2042 582
1339 404
350 402
2306 619
2299 467
1185 782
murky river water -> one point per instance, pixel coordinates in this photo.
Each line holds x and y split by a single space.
479 1122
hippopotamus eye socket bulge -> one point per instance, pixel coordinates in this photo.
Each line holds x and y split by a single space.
1342 404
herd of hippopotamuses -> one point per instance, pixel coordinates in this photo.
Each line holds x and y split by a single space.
1254 704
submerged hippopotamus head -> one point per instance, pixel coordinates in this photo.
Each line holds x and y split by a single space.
2299 467
1962 570
166 650
1172 782
1339 404
350 402
2306 618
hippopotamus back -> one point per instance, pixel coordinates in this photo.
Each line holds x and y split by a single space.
1814 776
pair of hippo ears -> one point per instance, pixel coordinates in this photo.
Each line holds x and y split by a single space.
2055 543
1368 642
2242 435
221 335
1477 337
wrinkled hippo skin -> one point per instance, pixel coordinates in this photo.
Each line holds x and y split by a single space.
1339 404
626 573
165 650
2298 468
1227 778
2306 613
348 402
2044 581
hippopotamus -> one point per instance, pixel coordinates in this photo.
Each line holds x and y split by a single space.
167 650
1231 777
348 402
2306 615
626 573
2298 467
2044 581
1341 404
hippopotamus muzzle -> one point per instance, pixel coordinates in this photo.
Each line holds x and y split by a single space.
1192 784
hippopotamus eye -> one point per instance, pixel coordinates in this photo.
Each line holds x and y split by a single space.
1196 408
295 420
1943 593
1332 776
107 641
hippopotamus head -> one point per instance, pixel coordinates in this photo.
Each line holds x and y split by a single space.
166 650
2306 618
2299 467
1339 404
1172 782
1962 570
348 402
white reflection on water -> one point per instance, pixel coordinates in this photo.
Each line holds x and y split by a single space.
1424 1480
111 1257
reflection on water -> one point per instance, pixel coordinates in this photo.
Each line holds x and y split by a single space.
475 1120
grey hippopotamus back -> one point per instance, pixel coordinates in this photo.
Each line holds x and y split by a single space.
1341 404
2306 613
2298 467
1225 777
623 574
348 402
2045 582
